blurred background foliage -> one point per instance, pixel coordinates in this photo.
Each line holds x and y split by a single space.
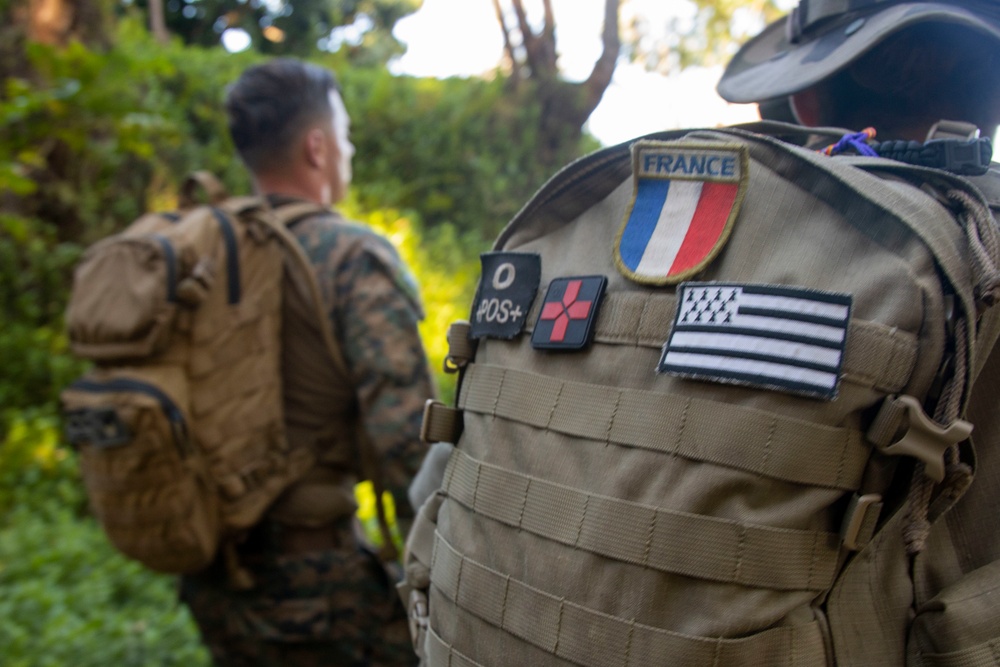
93 134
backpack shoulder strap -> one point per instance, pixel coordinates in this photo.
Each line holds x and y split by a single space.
278 220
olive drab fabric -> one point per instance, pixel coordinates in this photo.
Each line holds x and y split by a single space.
752 462
180 425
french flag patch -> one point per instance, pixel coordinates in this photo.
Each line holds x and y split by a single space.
783 338
686 198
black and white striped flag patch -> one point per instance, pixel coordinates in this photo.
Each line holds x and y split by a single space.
782 338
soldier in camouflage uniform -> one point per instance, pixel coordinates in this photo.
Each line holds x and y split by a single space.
322 597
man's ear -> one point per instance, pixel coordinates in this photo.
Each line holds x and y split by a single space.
315 148
806 105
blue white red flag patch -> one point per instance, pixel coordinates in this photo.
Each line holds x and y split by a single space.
566 321
686 199
783 338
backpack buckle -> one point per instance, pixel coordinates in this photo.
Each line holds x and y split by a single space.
99 427
419 619
859 521
970 157
924 439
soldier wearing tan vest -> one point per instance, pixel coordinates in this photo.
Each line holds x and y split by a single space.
715 408
912 71
322 596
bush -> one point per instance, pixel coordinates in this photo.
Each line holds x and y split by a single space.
459 151
66 597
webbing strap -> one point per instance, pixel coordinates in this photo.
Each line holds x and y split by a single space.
594 639
769 444
986 654
440 423
682 543
876 355
440 653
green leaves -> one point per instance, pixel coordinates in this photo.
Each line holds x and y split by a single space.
69 599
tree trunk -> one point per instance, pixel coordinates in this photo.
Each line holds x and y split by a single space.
157 22
565 106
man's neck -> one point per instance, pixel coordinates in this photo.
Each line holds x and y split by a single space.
299 188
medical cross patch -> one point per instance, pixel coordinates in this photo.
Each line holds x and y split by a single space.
686 199
566 321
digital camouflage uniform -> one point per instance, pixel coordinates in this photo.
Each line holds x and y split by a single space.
335 605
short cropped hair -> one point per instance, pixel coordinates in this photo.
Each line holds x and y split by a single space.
270 104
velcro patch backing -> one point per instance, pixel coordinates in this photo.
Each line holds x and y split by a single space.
782 338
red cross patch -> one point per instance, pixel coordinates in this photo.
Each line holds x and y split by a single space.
566 321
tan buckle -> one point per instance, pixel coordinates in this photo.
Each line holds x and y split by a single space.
440 423
925 439
859 522
461 348
953 129
418 619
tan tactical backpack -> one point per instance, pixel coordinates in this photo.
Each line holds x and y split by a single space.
711 413
179 426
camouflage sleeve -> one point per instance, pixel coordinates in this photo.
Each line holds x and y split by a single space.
377 310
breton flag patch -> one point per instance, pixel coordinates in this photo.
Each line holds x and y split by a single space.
783 338
685 199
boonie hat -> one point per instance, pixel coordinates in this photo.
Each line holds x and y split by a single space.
820 37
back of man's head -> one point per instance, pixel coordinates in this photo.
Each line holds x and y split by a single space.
271 105
895 63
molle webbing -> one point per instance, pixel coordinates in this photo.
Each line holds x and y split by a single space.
669 541
592 638
440 653
770 445
876 355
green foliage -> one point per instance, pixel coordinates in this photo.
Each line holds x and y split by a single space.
68 599
36 471
462 152
705 32
95 134
34 270
289 27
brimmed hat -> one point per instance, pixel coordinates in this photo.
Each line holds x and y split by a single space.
820 37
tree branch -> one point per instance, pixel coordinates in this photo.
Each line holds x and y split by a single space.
604 68
507 46
528 38
548 37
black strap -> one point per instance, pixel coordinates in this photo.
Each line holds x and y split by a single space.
965 157
171 258
232 255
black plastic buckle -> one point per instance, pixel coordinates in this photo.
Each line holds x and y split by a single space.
98 427
965 157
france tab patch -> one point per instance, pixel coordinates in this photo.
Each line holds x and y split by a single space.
783 338
685 199
506 290
566 321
